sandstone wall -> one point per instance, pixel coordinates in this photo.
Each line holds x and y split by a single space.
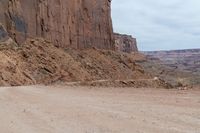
125 43
75 23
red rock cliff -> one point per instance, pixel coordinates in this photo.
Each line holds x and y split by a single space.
76 23
125 43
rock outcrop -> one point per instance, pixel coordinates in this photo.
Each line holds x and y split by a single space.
67 23
125 43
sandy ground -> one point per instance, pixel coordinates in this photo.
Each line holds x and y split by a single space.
39 109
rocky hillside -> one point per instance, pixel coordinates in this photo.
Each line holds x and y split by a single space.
75 23
38 61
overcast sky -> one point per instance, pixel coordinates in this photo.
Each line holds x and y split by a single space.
159 24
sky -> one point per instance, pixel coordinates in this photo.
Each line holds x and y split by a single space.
159 24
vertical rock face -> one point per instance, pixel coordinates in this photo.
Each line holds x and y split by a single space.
67 23
125 43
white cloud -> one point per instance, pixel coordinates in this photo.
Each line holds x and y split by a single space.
159 24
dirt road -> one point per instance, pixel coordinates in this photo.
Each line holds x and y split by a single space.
39 109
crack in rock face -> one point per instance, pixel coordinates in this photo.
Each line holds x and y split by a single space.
3 33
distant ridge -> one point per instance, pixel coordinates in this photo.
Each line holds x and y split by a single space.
178 50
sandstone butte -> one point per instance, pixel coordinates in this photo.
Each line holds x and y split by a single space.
67 23
125 43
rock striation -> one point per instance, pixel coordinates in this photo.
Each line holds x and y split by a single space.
125 43
67 23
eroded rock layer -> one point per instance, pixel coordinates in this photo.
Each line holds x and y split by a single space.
125 43
76 23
